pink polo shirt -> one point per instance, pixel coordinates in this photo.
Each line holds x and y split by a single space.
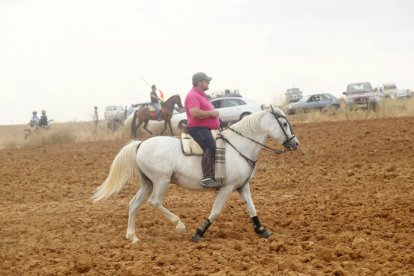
198 99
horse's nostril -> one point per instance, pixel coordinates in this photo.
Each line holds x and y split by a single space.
297 143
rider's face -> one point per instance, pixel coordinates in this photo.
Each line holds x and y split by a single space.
204 85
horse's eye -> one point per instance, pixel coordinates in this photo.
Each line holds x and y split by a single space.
285 124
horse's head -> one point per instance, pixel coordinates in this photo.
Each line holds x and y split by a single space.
280 129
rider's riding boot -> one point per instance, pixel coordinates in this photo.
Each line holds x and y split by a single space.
159 116
207 163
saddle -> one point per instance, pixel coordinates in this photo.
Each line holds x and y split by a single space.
153 113
190 147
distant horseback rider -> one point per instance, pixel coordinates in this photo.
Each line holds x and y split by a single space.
43 122
155 100
34 121
202 118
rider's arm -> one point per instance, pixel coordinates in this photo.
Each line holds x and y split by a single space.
202 114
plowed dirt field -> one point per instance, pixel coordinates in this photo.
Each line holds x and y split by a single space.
341 205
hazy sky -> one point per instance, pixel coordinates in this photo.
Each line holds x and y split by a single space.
67 56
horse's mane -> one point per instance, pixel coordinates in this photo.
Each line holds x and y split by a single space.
250 124
168 101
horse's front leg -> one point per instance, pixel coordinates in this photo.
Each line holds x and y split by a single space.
221 198
165 127
247 198
169 123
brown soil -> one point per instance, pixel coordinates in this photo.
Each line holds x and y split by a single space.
342 205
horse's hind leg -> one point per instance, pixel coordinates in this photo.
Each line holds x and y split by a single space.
145 127
156 200
138 126
142 194
247 198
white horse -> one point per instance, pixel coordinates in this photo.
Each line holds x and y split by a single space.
160 161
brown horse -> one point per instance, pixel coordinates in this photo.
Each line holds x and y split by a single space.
144 114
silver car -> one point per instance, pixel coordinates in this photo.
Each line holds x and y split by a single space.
313 102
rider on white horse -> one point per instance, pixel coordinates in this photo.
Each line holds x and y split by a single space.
202 118
159 161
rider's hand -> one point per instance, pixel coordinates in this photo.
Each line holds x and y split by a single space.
214 113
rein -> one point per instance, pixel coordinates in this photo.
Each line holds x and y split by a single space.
251 162
275 151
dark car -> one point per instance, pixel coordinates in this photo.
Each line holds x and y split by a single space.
313 102
361 95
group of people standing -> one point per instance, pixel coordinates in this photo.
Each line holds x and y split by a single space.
35 122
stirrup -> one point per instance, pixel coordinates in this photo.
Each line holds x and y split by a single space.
210 183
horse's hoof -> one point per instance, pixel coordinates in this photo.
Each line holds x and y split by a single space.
180 228
196 237
132 237
263 232
266 233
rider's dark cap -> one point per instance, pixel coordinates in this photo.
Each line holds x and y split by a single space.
200 76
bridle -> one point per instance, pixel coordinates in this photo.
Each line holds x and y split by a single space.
275 151
288 139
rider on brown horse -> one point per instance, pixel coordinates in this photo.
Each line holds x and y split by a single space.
155 101
144 114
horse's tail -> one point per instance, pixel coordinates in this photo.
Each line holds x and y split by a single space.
134 125
123 168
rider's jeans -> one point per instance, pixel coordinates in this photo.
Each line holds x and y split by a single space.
202 135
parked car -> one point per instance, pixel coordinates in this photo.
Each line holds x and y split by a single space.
114 112
313 102
361 95
391 91
293 95
114 116
231 109
403 93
